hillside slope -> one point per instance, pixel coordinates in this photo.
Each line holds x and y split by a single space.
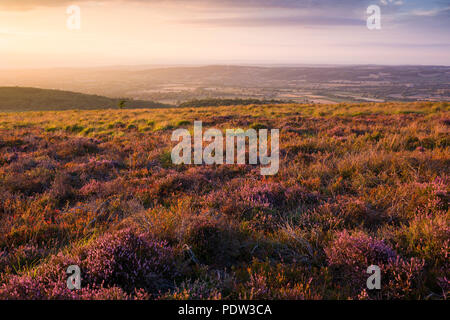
34 99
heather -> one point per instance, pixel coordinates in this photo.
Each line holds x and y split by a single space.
359 184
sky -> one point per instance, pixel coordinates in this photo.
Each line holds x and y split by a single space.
35 34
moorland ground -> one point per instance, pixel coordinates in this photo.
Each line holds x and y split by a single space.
358 184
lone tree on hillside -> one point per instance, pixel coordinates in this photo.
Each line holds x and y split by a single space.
122 104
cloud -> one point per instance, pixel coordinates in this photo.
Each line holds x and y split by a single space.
435 18
309 12
331 4
394 2
286 4
431 12
32 4
277 21
396 45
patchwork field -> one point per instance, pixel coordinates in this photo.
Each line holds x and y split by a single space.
359 184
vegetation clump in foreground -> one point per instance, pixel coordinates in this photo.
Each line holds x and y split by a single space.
359 184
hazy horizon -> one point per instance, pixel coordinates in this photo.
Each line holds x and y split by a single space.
34 33
222 64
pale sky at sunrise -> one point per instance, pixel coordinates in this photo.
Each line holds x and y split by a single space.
33 33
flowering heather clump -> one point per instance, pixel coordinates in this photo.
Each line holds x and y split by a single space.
130 261
102 189
93 187
47 282
349 257
21 288
444 284
24 256
115 265
358 184
358 251
26 287
268 195
244 196
94 169
75 147
195 180
177 182
438 195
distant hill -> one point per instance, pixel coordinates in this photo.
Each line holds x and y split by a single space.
226 102
34 99
303 84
